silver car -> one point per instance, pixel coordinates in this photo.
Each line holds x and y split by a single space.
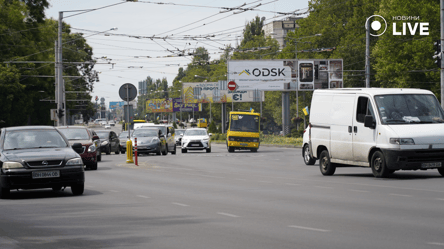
196 139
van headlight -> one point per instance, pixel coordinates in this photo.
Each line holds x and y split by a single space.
12 165
74 161
402 141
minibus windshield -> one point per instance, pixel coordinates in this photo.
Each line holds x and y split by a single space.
409 108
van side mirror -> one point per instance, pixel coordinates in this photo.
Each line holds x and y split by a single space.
368 122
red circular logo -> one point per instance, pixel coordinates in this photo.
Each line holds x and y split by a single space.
232 86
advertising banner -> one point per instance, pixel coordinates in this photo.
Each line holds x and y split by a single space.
185 107
217 92
159 105
114 105
286 74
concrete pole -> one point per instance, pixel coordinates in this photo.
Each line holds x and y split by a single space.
223 117
285 113
367 54
442 49
61 97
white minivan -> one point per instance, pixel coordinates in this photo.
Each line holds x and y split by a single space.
381 128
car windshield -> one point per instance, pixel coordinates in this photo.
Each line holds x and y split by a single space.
409 108
75 134
195 133
123 134
27 139
103 135
246 123
180 132
145 133
160 127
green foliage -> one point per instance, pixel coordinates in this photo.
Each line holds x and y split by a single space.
174 125
212 127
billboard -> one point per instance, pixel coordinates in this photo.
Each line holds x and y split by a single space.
286 74
159 105
114 105
185 107
217 92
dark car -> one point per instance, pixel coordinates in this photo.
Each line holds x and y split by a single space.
91 151
123 137
39 157
109 142
149 140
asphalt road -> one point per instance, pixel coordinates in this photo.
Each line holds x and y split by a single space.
268 199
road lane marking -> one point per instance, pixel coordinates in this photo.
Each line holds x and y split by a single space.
359 191
265 181
323 187
439 199
179 204
292 184
240 179
229 215
310 229
142 196
435 243
401 195
114 191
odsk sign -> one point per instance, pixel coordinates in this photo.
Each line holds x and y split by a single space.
127 92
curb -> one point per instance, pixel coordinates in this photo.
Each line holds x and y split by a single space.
267 145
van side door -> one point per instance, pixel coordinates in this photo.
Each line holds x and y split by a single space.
341 120
364 138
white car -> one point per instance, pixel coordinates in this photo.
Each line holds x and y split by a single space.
196 139
107 126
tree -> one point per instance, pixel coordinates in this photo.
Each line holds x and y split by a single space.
253 29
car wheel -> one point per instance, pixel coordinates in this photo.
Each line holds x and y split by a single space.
184 150
158 152
174 151
379 168
108 150
327 168
165 151
78 189
308 160
117 151
57 188
94 166
4 193
208 150
99 156
441 171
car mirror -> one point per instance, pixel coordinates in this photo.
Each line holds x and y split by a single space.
210 134
77 147
95 138
368 122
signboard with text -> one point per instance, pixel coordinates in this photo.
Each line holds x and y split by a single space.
114 105
217 92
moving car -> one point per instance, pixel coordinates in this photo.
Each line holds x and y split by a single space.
109 141
90 151
168 131
149 140
380 128
196 139
123 138
179 135
112 123
34 157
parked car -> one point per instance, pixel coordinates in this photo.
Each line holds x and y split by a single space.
196 139
150 140
79 134
112 123
179 135
34 157
168 131
109 142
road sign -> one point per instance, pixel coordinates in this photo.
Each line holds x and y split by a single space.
97 98
128 92
232 86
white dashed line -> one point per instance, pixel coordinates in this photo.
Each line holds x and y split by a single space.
401 195
311 229
229 215
292 184
323 187
180 204
142 196
114 191
359 191
439 199
240 179
435 244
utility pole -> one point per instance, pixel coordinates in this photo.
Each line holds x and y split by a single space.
367 54
60 83
442 49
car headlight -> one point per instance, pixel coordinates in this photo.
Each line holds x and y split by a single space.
92 148
155 140
74 161
402 141
104 143
12 165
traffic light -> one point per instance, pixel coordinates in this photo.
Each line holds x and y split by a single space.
438 55
60 112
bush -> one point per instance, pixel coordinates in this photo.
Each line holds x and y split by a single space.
212 127
193 125
174 125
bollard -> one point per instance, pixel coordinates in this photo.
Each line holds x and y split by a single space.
135 149
129 152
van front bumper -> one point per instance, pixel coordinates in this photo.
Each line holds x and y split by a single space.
414 159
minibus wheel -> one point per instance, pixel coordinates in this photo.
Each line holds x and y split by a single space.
327 168
379 168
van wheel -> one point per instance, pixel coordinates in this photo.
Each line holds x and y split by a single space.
253 150
327 168
308 160
441 171
230 149
379 168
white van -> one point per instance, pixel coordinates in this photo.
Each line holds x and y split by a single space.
385 129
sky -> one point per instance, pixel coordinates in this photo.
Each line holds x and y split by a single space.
175 24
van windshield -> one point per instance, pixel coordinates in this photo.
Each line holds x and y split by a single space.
409 108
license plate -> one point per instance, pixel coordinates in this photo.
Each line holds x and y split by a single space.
45 174
194 145
430 165
243 144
